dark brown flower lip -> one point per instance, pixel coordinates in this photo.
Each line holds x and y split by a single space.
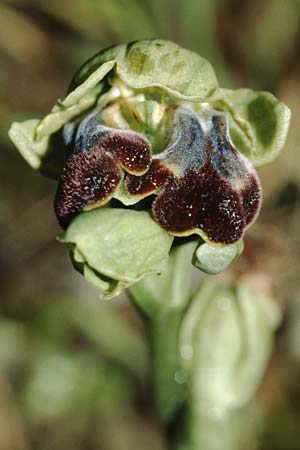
88 178
204 184
93 170
130 149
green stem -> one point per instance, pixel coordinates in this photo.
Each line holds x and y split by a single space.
163 299
166 373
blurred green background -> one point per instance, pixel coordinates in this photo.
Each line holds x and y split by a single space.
74 370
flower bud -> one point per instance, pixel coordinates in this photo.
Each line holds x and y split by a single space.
213 259
226 340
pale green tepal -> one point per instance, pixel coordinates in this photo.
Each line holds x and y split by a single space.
213 259
115 248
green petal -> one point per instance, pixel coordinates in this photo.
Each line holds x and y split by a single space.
213 259
78 101
22 135
46 155
94 63
32 137
114 248
259 122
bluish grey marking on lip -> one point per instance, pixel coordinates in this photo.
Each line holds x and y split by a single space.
188 139
89 132
224 157
202 183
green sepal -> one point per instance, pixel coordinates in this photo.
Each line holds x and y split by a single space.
163 64
213 259
23 136
258 122
157 63
33 137
114 248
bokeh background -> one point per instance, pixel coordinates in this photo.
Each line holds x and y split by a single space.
74 370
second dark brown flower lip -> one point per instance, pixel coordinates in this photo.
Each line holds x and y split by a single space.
203 184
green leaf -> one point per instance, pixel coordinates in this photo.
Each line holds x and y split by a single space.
259 122
213 259
117 247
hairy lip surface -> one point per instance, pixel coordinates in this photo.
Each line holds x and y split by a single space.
93 169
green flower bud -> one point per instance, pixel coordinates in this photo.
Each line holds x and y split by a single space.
226 340
213 259
147 123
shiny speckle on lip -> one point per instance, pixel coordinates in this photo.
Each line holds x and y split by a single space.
131 150
87 178
156 177
203 184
